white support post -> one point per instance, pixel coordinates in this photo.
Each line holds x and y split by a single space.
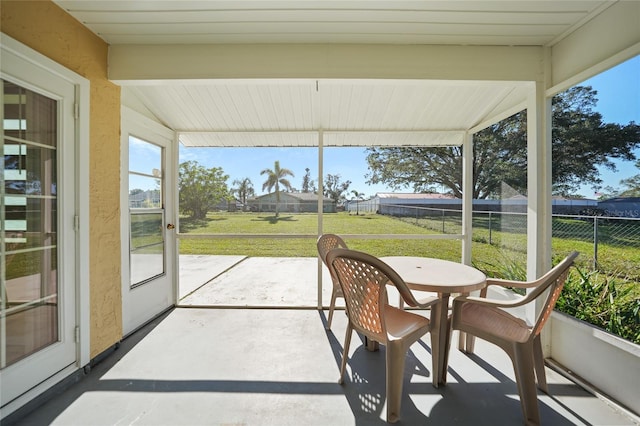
539 183
467 197
320 208
174 167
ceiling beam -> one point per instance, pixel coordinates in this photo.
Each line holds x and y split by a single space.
133 64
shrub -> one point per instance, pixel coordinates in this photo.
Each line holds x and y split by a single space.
603 301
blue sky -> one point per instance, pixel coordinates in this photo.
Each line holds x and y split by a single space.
239 163
619 102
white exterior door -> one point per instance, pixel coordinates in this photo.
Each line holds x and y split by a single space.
39 325
148 234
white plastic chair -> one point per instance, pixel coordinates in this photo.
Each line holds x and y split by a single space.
363 279
486 318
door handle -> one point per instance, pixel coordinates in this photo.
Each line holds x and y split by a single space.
170 226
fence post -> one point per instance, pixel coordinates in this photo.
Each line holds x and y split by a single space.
595 243
490 229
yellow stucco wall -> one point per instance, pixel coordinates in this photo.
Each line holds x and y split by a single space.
46 28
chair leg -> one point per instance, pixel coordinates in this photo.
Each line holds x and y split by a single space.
371 345
471 343
345 353
395 360
466 342
332 307
538 359
523 365
440 341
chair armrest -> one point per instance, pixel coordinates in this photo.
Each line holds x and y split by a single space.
427 302
509 283
494 281
407 296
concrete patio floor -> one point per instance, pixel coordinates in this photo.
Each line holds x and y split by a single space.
227 366
251 281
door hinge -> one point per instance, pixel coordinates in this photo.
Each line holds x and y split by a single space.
76 223
76 110
77 334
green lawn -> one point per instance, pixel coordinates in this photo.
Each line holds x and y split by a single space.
307 224
504 256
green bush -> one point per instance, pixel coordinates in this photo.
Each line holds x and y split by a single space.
603 301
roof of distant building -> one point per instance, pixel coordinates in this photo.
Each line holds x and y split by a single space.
415 196
622 200
561 198
302 196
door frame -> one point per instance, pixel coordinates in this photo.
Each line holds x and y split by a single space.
138 125
80 276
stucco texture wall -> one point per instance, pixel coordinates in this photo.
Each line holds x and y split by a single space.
46 28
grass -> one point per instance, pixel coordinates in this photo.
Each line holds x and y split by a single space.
307 224
506 245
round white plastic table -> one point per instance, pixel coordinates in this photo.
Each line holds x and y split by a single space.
442 277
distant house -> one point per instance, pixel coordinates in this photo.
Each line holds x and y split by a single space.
621 207
231 205
395 203
573 206
291 202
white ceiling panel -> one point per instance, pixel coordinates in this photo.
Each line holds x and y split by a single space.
249 139
349 112
394 138
515 22
312 139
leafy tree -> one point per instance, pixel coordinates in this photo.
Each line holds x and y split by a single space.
243 189
308 185
631 184
200 189
580 143
630 188
335 189
275 178
633 187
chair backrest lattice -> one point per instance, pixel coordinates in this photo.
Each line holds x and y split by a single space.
326 243
363 287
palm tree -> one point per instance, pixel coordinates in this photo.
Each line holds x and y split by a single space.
275 178
244 189
357 196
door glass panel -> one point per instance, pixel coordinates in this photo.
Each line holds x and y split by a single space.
28 218
146 213
147 246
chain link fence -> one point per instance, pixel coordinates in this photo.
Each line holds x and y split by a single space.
610 244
